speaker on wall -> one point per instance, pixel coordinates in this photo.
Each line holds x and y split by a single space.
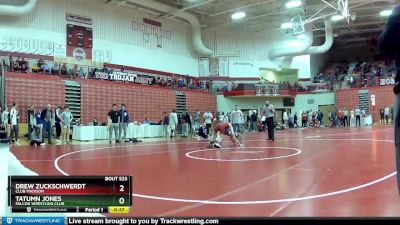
288 102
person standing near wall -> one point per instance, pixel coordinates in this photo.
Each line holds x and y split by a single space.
47 119
196 120
269 113
14 117
237 120
166 124
389 45
66 118
358 117
113 123
387 112
123 122
208 118
58 124
173 122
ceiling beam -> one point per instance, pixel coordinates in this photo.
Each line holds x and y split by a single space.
173 13
242 7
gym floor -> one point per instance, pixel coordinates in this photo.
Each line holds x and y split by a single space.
305 172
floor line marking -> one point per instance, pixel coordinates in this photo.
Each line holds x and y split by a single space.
253 202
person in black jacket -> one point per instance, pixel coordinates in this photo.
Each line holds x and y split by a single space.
389 46
47 117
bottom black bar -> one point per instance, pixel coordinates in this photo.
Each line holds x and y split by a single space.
230 221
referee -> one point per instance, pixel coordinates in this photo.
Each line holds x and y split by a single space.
269 113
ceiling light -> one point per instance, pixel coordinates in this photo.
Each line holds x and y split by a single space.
286 25
293 43
238 15
293 4
301 36
337 17
385 12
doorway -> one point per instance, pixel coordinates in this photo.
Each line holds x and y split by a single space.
325 110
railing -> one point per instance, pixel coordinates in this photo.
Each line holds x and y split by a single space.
73 71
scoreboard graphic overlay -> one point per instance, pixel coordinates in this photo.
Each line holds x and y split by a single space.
92 194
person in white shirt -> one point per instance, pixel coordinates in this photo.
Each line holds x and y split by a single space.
237 120
357 112
352 117
208 118
173 122
387 113
285 118
14 117
5 118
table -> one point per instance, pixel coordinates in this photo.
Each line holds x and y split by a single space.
91 133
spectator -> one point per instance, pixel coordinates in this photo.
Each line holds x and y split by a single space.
64 69
304 119
295 120
253 121
173 122
14 117
45 68
95 122
124 122
208 118
113 123
6 119
237 120
357 112
382 114
47 119
35 137
57 124
285 118
24 66
40 63
66 118
166 124
196 120
31 111
387 114
186 124
146 121
39 124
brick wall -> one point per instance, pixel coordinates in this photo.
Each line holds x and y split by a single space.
349 98
38 90
200 101
141 101
98 96
384 97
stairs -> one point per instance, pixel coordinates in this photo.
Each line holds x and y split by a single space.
180 102
363 99
73 97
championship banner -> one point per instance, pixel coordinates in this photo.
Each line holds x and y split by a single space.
267 89
79 39
125 77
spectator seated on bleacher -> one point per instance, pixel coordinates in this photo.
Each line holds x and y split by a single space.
45 68
64 69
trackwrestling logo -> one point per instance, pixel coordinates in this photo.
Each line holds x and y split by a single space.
33 221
